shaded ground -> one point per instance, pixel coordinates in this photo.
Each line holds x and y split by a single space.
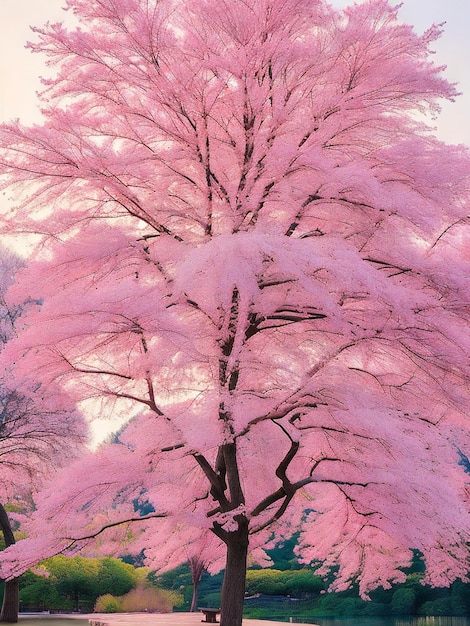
146 619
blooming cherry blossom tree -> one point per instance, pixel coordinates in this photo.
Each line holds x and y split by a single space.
32 435
252 248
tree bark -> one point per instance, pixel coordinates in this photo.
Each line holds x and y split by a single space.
195 595
233 588
10 604
197 569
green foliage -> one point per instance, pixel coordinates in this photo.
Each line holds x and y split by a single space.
178 580
403 601
440 606
211 599
107 585
39 593
116 576
408 598
74 578
460 598
339 604
174 579
210 589
75 583
309 599
149 599
283 554
288 583
108 604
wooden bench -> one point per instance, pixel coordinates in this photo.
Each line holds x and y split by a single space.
210 615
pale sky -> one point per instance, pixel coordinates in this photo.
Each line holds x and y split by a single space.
19 69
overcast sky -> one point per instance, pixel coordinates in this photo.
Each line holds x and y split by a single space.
19 69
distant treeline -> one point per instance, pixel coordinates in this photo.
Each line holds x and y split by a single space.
288 589
78 584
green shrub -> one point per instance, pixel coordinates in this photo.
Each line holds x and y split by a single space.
441 606
108 604
150 599
285 583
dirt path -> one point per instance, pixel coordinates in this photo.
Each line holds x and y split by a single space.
164 619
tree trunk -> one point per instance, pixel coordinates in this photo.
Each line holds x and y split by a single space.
10 605
194 598
10 601
197 569
233 588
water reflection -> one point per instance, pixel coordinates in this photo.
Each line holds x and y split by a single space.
51 621
353 621
395 621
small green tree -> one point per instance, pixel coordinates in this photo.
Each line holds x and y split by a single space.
115 576
403 601
74 577
39 593
78 581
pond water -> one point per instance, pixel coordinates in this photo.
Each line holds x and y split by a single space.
394 621
354 621
51 621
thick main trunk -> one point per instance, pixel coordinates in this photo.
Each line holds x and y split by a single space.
11 595
233 588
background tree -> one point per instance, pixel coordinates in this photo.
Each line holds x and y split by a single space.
11 587
74 583
201 550
197 567
83 580
32 434
250 234
200 556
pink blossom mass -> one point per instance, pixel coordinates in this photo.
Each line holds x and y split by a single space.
251 250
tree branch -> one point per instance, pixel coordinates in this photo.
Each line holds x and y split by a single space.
128 520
